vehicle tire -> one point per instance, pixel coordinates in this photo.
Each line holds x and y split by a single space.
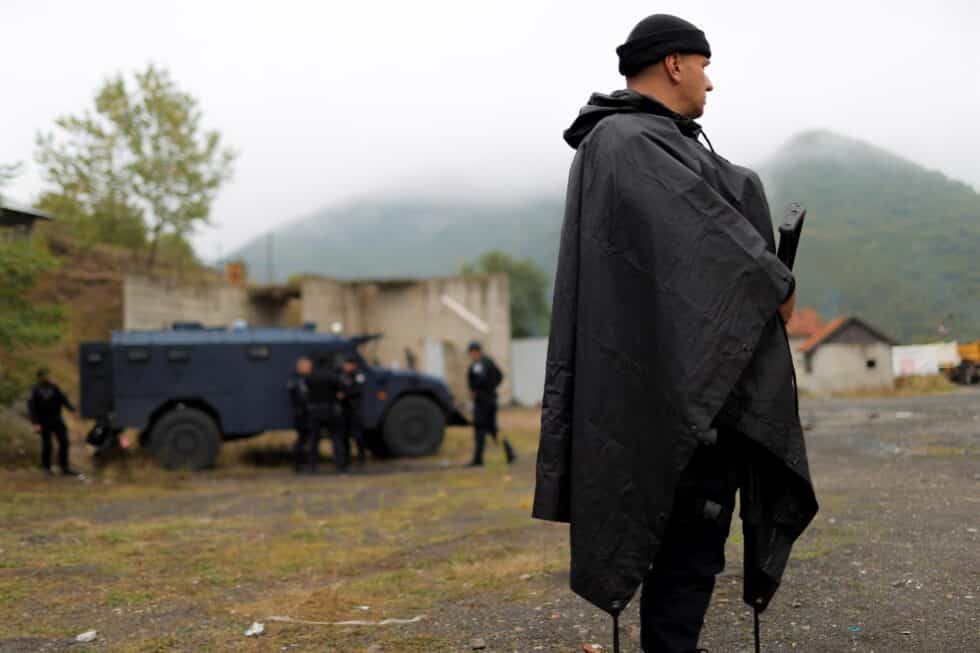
415 426
185 438
970 374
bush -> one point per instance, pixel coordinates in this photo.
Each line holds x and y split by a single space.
923 385
905 386
19 445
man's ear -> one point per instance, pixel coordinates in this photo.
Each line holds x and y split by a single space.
672 65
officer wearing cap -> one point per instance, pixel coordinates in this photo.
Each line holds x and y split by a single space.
483 377
307 445
350 394
44 406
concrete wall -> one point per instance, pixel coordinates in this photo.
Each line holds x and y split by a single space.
528 359
799 359
154 304
837 367
924 360
413 318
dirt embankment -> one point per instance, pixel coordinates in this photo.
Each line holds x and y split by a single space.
87 285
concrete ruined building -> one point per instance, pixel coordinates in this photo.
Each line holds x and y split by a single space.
426 323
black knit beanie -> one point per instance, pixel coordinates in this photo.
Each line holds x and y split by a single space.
657 36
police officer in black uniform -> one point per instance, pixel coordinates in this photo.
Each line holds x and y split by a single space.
44 405
307 446
350 394
324 388
483 377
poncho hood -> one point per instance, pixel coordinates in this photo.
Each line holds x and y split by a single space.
601 105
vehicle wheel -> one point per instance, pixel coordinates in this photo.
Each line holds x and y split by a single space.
415 426
185 438
971 374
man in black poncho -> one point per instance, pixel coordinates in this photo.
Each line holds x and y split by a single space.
669 381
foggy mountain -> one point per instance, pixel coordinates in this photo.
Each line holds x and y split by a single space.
886 239
384 237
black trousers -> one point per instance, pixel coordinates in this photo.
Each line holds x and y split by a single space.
59 431
485 424
678 588
354 432
306 449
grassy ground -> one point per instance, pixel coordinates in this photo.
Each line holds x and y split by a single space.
160 561
905 386
19 446
139 551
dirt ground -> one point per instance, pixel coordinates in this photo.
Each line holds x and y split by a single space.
158 561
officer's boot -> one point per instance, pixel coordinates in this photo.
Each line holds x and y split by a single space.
63 448
509 452
479 445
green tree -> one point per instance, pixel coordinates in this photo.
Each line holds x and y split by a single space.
8 172
23 323
137 168
529 312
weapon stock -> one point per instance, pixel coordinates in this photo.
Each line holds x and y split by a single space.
789 233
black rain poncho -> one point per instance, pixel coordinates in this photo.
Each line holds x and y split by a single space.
665 325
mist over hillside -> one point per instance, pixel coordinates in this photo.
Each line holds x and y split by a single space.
395 237
885 239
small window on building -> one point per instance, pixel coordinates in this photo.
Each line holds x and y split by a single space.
138 355
178 355
871 363
93 359
259 353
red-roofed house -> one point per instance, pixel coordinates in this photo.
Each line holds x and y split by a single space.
847 353
804 323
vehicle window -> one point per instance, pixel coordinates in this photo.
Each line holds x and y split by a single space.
178 355
328 361
258 353
138 354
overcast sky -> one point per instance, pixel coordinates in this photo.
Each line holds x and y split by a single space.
330 100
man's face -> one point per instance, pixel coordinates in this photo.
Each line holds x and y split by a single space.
349 366
474 354
694 84
304 366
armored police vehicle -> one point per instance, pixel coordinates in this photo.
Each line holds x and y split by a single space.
190 388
